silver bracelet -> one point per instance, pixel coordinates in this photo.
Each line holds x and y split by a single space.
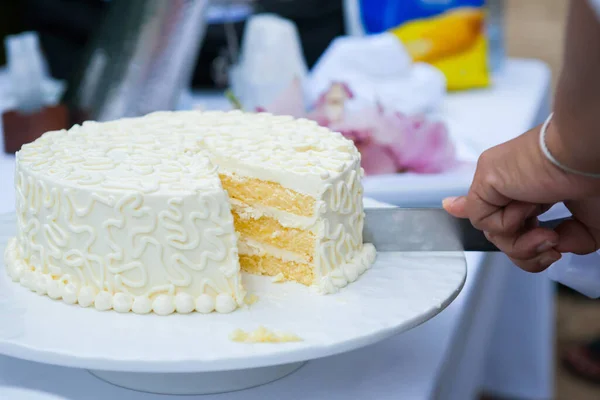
553 160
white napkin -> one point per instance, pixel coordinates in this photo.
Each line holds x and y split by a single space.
377 68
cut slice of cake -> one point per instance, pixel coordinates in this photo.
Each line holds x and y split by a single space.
296 197
158 213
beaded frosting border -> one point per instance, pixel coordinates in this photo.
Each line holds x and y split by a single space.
89 296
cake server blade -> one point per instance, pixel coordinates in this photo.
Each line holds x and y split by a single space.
426 229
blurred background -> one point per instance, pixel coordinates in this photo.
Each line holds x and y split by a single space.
456 77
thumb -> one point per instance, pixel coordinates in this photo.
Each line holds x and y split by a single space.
456 206
581 234
575 237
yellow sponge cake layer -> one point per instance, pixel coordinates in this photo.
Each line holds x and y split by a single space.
258 192
269 265
268 230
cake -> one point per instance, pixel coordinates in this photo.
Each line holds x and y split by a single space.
161 213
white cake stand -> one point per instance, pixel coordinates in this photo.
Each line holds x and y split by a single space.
192 354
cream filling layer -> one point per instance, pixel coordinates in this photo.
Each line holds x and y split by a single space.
310 183
286 219
250 247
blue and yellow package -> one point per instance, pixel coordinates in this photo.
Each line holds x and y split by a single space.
449 34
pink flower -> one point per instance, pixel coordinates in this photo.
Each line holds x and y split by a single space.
330 106
388 142
369 129
428 149
376 159
358 126
418 145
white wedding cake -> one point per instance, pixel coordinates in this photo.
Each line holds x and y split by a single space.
161 213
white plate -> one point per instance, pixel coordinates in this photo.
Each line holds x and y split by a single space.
398 293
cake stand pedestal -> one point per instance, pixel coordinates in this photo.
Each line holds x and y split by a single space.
199 382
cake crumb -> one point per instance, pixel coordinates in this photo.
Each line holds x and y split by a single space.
278 278
250 299
263 335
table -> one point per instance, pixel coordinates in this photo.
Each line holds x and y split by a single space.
497 335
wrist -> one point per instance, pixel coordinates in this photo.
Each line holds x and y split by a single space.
569 153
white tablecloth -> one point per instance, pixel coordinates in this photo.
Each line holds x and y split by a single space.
466 348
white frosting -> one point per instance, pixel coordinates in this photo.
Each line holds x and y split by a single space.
122 302
348 272
286 219
251 247
103 301
86 295
141 305
205 304
55 289
42 285
224 303
163 304
296 153
184 303
131 215
69 294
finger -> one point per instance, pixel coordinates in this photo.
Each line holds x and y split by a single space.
485 203
575 237
539 263
531 223
506 220
526 245
456 206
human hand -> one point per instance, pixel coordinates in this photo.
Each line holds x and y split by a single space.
513 184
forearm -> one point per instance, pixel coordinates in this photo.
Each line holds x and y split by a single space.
574 134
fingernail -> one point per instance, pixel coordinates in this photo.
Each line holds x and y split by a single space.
545 246
547 261
452 201
448 200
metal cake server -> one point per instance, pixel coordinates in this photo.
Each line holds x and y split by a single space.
426 229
